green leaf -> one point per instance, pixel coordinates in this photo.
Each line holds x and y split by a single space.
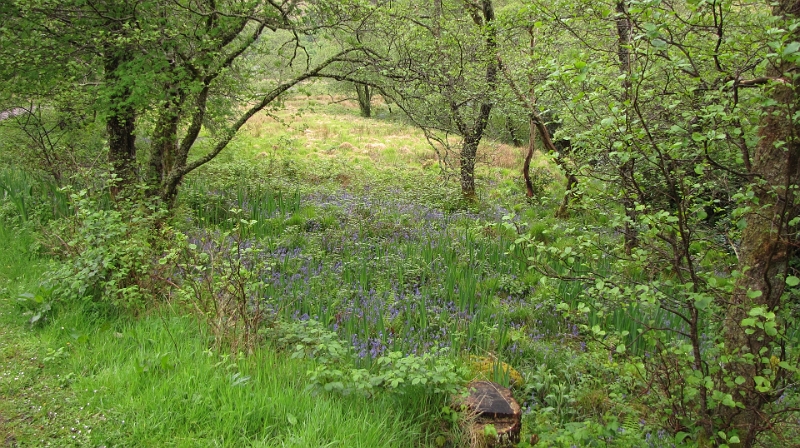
291 419
792 281
703 301
658 44
754 294
790 49
787 366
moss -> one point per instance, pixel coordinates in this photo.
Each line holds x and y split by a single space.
489 368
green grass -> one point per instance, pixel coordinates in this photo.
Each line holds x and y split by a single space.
82 380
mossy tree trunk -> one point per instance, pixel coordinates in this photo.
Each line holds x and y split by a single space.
768 245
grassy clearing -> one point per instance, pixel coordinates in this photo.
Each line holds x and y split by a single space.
333 137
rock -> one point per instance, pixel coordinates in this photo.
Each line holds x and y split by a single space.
17 111
492 404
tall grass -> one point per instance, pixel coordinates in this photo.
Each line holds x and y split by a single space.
267 207
32 197
158 385
20 262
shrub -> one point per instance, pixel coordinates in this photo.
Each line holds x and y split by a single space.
429 374
222 284
105 251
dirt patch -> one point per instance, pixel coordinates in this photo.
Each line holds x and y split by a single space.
504 156
5 434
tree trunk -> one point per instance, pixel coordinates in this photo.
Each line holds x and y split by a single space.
164 151
512 133
768 243
526 167
472 136
120 125
164 147
469 150
364 93
572 180
626 172
563 209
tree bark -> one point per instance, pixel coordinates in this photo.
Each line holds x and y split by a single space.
121 118
364 94
768 243
526 167
469 150
512 133
626 172
473 135
120 124
164 146
563 209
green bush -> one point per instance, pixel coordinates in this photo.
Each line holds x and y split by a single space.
426 375
105 253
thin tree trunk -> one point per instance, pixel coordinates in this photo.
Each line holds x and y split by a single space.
572 180
515 140
472 136
173 176
164 146
629 232
526 167
563 209
469 150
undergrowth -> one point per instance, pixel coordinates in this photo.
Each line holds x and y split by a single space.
89 380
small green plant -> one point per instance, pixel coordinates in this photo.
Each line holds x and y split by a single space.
29 198
37 305
429 374
222 284
541 179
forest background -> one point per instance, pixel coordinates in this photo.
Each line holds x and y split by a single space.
189 196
